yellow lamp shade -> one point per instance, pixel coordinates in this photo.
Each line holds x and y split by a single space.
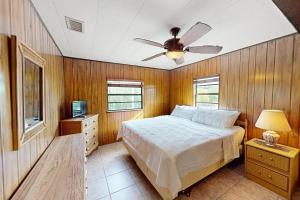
273 120
174 54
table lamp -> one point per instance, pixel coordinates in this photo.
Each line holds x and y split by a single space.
272 121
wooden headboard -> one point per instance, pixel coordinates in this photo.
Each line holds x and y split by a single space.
244 124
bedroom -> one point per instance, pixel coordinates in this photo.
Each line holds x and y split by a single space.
237 61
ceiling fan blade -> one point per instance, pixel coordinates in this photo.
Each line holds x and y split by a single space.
144 41
155 56
194 33
179 61
206 49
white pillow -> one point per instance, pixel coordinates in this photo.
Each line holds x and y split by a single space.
216 118
186 112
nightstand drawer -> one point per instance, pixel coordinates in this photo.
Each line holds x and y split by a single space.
268 158
268 175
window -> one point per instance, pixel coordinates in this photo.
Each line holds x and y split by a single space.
206 91
124 95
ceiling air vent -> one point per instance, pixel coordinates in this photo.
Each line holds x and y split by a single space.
74 24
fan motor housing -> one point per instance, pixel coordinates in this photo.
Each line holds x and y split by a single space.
173 45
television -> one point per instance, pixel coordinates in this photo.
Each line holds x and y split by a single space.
78 108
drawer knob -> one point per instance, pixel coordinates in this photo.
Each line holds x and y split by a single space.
94 121
259 155
86 133
269 176
94 128
271 159
85 125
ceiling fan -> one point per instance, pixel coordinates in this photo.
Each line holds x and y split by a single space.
177 47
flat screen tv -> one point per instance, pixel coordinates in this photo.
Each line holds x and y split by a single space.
78 108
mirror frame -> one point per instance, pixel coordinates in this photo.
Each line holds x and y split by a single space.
20 52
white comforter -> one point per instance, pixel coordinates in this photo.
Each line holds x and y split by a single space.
172 147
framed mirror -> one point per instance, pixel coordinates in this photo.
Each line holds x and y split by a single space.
28 96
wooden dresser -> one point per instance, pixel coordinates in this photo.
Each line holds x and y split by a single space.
87 125
274 168
60 173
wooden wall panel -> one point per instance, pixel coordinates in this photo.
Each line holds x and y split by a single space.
243 83
19 18
259 84
264 76
86 79
295 96
233 80
5 123
223 81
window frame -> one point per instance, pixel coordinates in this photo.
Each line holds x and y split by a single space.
126 86
195 81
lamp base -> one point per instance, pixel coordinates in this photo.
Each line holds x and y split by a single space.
271 138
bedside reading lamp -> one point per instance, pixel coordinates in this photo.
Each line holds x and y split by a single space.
272 121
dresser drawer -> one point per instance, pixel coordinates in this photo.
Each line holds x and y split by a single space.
91 132
87 123
94 120
87 132
91 139
268 158
267 175
93 128
91 146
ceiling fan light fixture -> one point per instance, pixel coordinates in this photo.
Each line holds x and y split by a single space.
177 47
174 54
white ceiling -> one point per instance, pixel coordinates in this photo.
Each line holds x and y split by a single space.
111 25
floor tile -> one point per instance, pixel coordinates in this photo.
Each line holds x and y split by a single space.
146 188
137 174
105 198
154 196
129 193
114 167
97 189
109 157
231 196
94 157
250 190
119 181
130 163
126 181
94 173
211 191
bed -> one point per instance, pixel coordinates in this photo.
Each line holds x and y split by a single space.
175 152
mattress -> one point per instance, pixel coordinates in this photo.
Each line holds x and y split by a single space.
172 147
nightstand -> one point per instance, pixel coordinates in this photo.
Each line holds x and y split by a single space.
274 168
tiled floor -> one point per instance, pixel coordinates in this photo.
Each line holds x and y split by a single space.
113 175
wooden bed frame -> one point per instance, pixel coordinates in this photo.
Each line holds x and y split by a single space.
188 180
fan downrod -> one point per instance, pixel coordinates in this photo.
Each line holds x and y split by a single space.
174 31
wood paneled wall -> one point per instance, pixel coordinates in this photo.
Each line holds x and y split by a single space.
87 80
18 17
264 76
